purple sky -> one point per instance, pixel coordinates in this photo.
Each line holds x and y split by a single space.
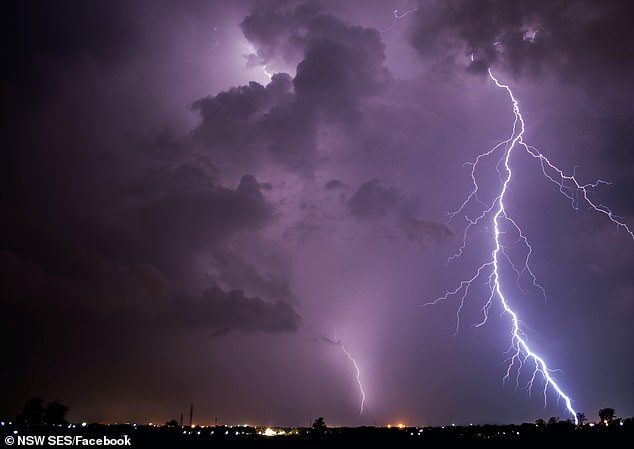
201 198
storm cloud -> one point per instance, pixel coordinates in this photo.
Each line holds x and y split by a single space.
195 192
576 41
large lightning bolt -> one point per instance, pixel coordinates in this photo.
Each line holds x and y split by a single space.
502 223
356 367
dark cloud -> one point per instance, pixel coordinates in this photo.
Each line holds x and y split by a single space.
578 40
231 122
372 200
339 68
135 293
276 29
206 213
224 312
427 232
250 123
173 221
236 272
334 184
336 78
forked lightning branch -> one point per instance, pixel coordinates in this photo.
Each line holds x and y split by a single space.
503 226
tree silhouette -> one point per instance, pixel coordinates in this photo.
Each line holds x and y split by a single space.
55 413
32 413
540 423
319 425
553 420
581 418
607 415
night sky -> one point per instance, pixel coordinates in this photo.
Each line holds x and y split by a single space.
202 200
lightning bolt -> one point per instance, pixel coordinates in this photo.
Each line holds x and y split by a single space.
577 193
337 342
356 367
398 16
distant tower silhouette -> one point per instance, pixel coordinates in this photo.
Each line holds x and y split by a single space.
191 414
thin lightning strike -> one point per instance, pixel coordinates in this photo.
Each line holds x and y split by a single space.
503 224
356 367
339 343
